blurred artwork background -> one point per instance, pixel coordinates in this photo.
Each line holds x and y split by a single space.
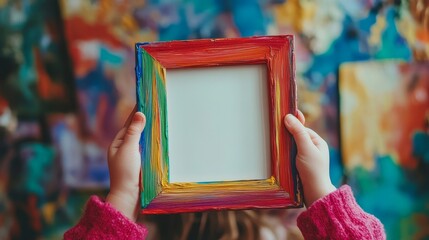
35 71
385 136
67 84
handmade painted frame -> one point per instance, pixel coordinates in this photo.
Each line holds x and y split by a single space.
158 195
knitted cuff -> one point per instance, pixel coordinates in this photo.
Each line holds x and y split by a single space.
338 216
102 221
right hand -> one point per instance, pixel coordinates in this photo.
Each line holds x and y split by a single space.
312 160
124 166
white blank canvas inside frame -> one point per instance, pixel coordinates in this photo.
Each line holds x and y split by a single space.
218 123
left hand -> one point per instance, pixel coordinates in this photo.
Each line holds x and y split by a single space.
312 160
124 166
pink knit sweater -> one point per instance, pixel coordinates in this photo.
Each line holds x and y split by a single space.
336 216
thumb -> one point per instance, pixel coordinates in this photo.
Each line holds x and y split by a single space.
134 130
299 133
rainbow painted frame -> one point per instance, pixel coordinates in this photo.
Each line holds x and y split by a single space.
281 190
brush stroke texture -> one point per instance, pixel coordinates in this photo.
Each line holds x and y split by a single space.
152 61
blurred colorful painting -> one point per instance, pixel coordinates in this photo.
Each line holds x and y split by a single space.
83 162
385 142
35 73
101 35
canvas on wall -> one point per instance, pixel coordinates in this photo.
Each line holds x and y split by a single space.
385 142
35 77
35 80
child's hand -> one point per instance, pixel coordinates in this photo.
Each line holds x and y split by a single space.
312 160
124 166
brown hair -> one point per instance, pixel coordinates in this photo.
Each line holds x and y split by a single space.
223 225
209 225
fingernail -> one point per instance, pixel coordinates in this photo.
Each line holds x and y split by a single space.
138 118
289 119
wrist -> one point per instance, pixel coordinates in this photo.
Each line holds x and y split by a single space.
126 203
314 193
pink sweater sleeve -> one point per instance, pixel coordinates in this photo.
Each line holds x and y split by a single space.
101 221
338 216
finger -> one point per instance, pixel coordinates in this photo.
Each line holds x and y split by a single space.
140 180
299 133
134 130
130 117
301 117
119 137
117 141
121 133
317 140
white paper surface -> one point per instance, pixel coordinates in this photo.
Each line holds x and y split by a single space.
218 127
